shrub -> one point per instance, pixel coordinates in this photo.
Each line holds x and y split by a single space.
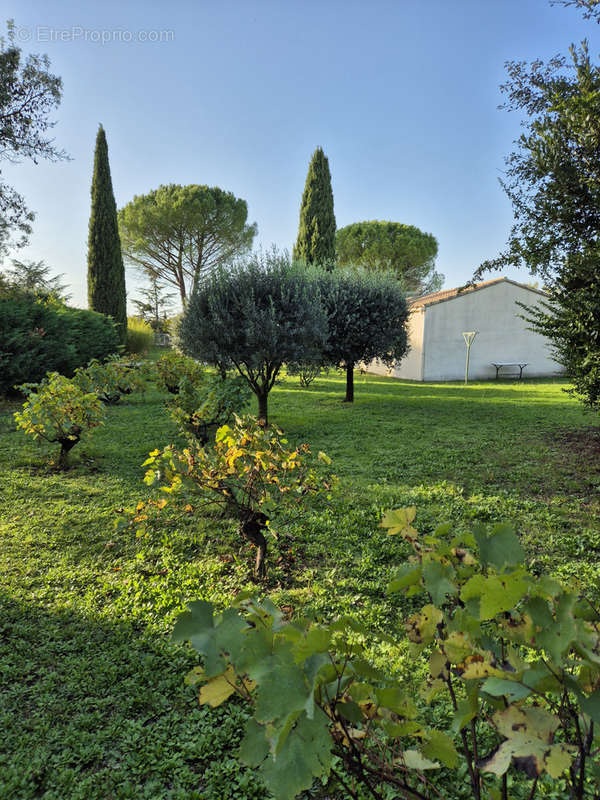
306 373
39 336
251 471
111 379
511 657
172 367
140 336
57 410
208 401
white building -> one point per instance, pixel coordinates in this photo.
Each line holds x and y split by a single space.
437 348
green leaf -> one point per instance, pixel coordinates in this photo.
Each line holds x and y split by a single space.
438 665
499 687
406 575
466 709
282 690
254 747
305 755
316 640
416 760
397 700
557 760
496 593
591 706
557 638
439 745
501 548
437 577
350 711
198 619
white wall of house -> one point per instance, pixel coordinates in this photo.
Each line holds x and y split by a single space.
502 334
411 366
437 347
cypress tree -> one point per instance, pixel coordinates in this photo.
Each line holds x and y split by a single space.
106 273
316 232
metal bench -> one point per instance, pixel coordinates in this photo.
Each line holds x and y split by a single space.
500 364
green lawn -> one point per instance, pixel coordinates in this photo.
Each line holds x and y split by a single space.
93 705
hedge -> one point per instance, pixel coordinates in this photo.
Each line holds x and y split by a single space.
43 335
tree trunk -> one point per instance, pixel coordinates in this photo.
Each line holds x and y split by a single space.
66 445
252 529
349 383
262 408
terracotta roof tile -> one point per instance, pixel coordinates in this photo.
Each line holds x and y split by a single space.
446 294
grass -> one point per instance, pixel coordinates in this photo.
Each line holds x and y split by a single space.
93 705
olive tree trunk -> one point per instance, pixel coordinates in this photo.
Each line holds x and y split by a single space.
263 416
349 383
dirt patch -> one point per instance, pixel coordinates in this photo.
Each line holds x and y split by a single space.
582 445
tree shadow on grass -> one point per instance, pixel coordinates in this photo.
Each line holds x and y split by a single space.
92 709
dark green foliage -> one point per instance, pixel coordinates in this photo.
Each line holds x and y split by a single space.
316 231
28 94
366 319
403 249
553 181
176 234
207 400
255 317
571 320
106 273
37 337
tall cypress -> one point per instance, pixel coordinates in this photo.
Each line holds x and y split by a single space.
106 273
316 232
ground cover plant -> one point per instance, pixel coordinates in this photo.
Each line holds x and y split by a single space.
93 702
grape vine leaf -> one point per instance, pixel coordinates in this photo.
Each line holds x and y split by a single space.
501 548
305 755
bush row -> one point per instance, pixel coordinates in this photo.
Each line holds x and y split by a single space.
43 335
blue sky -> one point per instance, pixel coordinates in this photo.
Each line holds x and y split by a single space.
402 96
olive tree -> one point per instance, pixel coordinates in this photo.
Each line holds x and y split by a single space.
366 319
255 317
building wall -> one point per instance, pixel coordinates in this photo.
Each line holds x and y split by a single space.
502 334
411 366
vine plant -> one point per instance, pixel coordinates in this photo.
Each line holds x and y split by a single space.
58 410
514 655
251 471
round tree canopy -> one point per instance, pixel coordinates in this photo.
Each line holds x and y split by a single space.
391 246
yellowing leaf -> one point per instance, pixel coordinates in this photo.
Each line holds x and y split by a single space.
415 760
475 670
218 689
398 521
437 665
